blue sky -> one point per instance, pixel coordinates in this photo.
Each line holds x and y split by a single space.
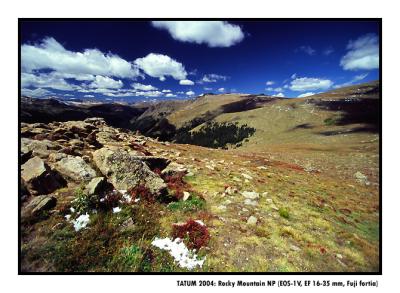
144 60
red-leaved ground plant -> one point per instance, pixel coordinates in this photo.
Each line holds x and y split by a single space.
194 234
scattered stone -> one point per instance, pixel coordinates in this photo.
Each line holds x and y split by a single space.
185 195
222 207
128 225
210 167
339 256
269 200
174 168
262 168
250 202
274 207
246 176
294 247
361 178
252 221
75 168
250 194
39 178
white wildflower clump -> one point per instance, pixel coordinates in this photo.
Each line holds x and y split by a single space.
81 222
178 250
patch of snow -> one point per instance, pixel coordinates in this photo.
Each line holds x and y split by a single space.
67 217
81 222
72 209
178 250
116 210
126 197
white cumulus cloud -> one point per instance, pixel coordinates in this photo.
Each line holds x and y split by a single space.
310 83
170 95
280 95
270 82
106 82
221 89
45 80
363 53
271 89
190 93
160 66
186 82
50 54
212 33
143 87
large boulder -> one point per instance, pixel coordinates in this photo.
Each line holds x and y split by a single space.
40 148
126 171
39 178
38 205
75 168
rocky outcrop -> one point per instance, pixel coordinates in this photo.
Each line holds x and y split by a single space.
38 205
39 178
75 168
126 171
40 148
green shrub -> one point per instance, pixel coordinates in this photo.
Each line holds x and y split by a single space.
330 121
284 213
128 259
193 203
83 202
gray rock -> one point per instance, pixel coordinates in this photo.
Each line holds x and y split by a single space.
174 168
75 168
250 202
95 121
39 178
96 185
361 178
54 157
250 194
252 221
294 247
38 205
127 225
126 171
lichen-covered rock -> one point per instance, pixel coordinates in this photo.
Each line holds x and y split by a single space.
40 148
39 178
126 171
75 168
